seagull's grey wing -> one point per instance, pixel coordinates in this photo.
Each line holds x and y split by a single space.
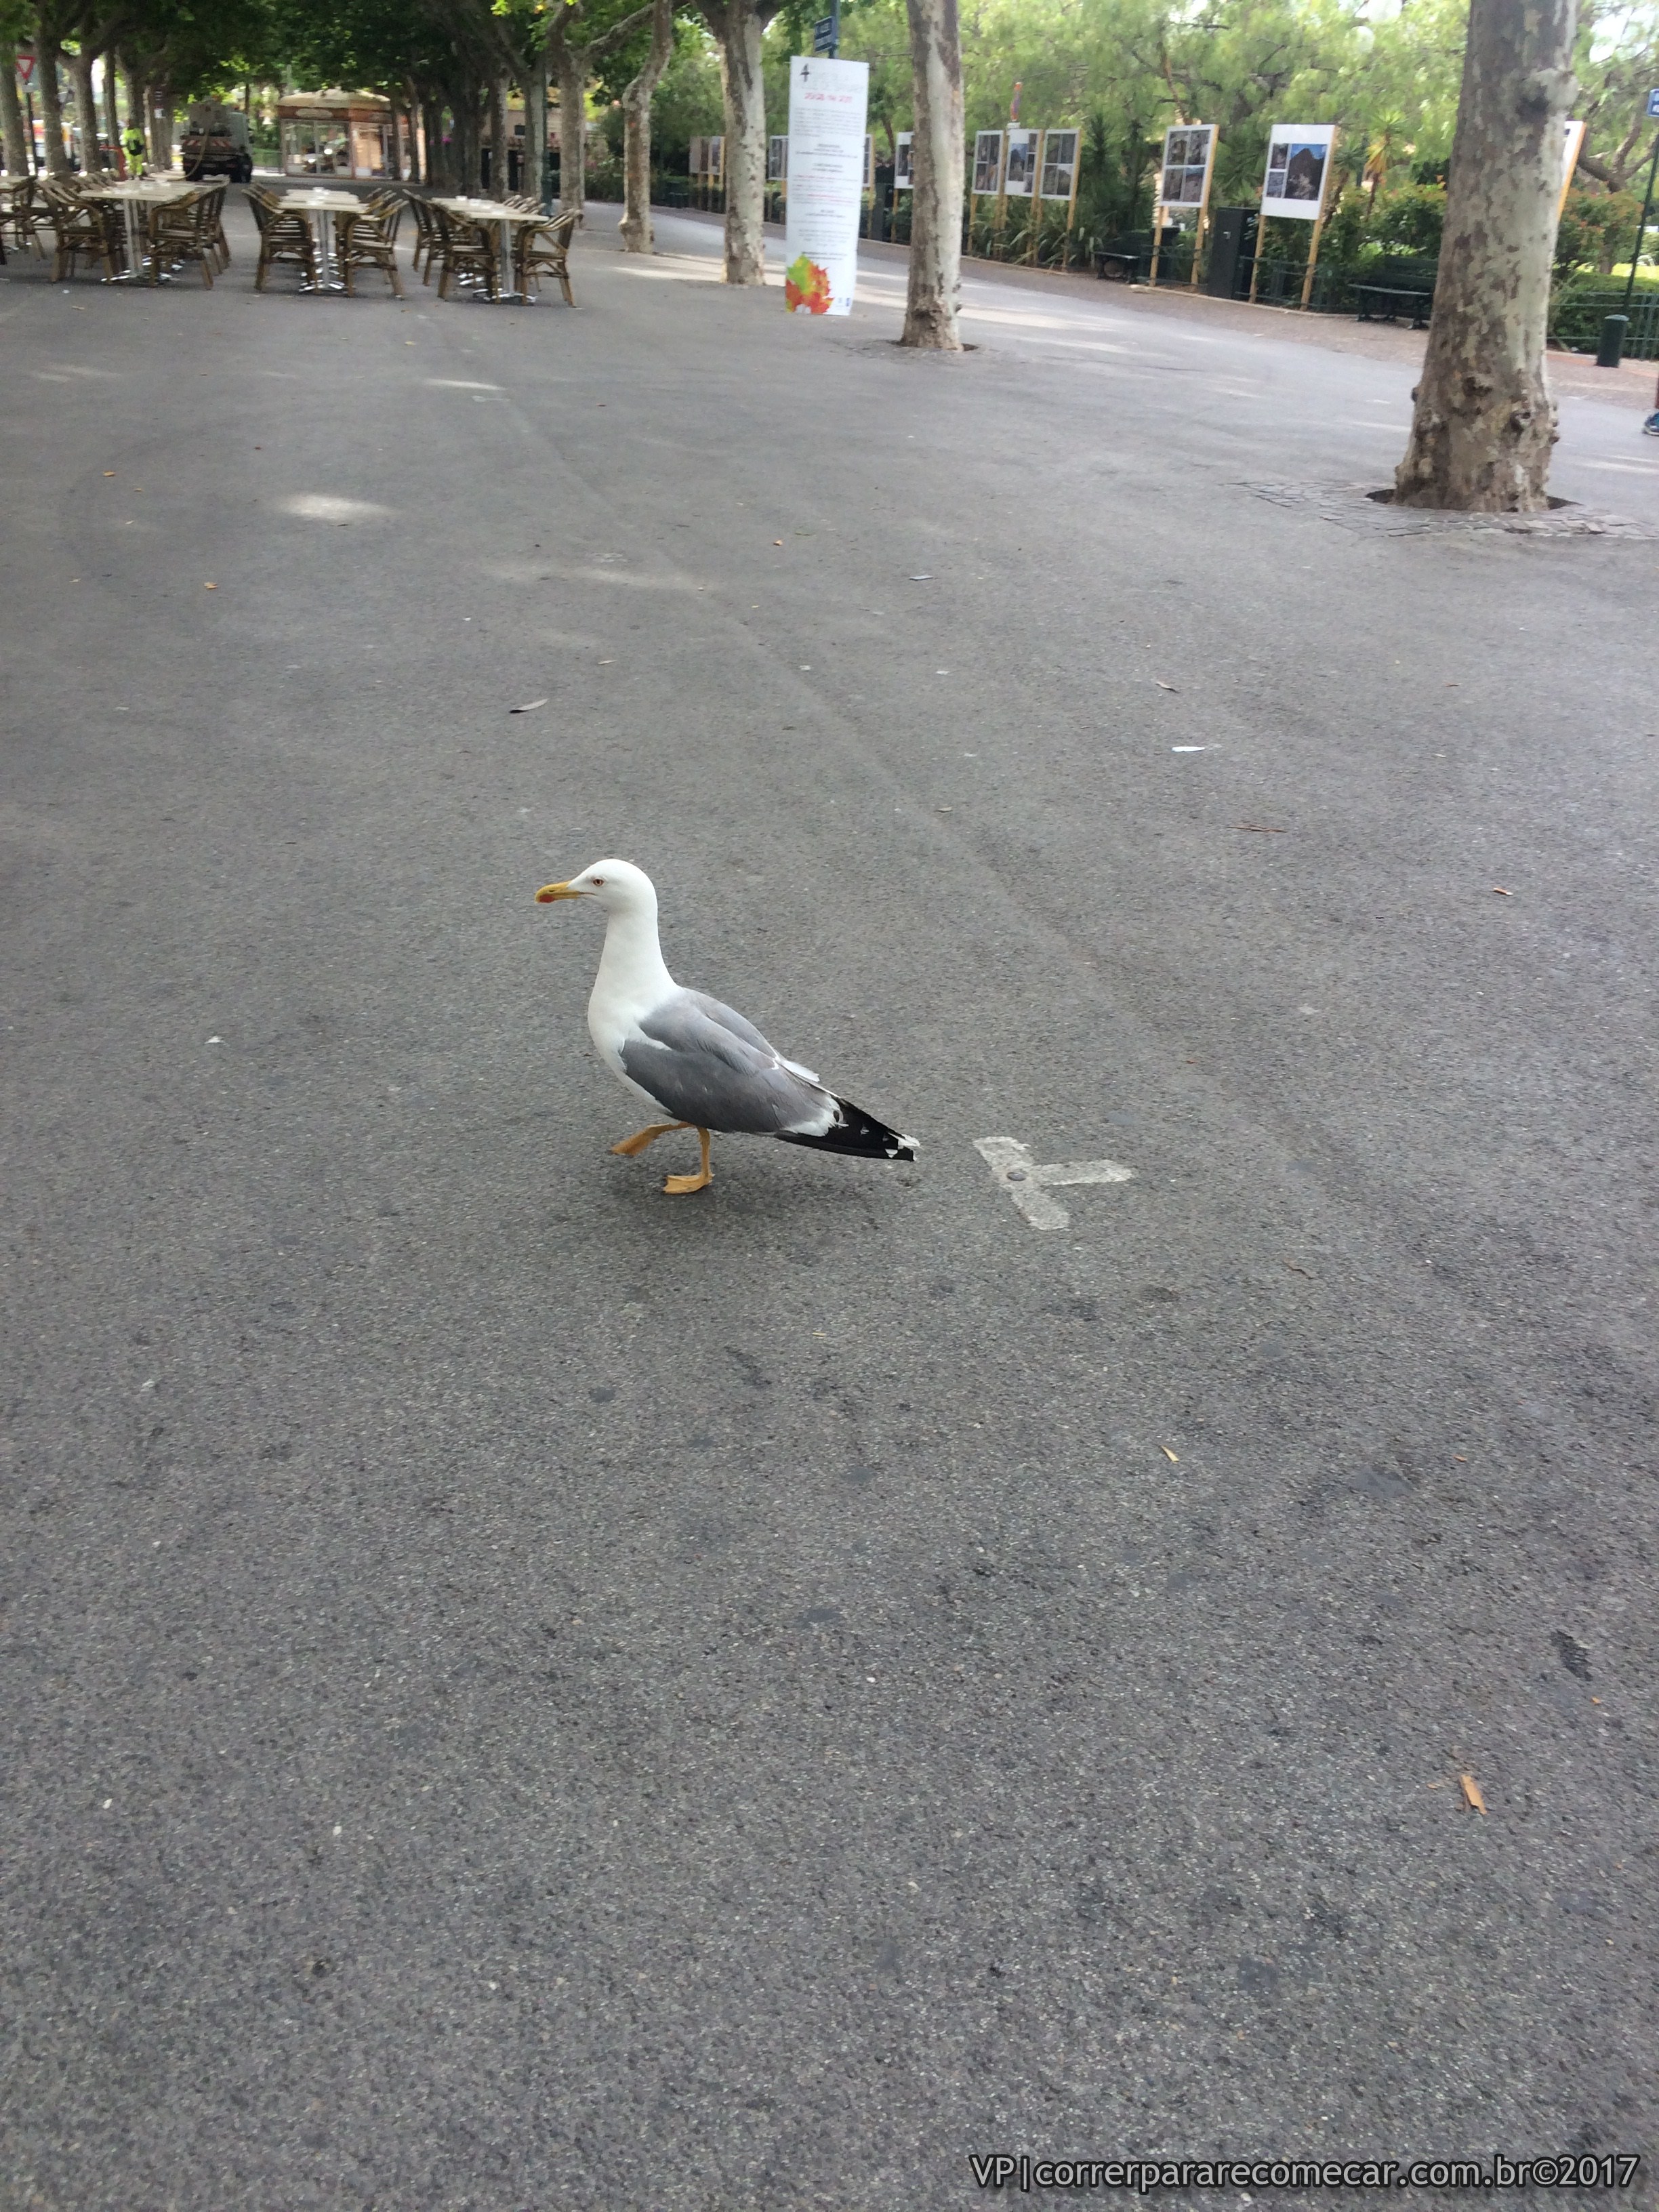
707 1066
729 1018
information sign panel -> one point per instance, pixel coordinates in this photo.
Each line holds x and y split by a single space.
1189 155
1021 163
987 162
828 105
1059 164
1298 161
902 147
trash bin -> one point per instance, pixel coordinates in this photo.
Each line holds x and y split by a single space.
1614 330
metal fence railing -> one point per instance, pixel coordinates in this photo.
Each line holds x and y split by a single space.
1575 319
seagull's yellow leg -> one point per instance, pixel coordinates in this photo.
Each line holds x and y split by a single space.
682 1186
641 1138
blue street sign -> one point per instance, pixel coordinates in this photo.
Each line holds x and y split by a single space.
823 34
1653 102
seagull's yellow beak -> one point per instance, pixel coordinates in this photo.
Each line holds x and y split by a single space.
548 892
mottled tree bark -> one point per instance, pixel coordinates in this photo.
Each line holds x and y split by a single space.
158 126
86 109
11 116
51 104
535 128
113 112
936 154
1484 421
500 137
571 60
737 26
635 225
467 139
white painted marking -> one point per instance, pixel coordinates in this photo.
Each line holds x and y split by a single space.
324 506
1027 1184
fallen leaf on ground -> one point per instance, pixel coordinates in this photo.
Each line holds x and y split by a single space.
927 578
1498 891
1295 1270
1169 1454
1471 1797
1163 686
109 472
528 708
777 541
209 588
1262 828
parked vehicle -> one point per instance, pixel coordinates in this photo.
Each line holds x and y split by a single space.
215 143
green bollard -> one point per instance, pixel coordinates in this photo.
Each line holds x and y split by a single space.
1614 330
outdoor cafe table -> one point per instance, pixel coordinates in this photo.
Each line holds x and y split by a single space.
134 194
493 211
322 205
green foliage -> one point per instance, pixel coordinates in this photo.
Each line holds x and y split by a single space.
688 102
1409 220
1597 229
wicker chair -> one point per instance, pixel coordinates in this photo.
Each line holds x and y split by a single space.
23 214
181 231
545 245
221 243
83 228
282 237
469 252
427 241
369 241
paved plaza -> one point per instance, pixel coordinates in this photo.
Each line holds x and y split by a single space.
524 1692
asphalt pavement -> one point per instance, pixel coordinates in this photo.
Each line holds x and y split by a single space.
522 1691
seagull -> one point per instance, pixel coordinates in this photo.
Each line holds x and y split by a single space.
688 1055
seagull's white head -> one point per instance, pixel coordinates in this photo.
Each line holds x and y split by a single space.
616 885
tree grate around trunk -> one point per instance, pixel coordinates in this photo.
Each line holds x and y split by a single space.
1370 510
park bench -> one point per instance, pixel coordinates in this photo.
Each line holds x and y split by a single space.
1396 288
1128 259
1124 259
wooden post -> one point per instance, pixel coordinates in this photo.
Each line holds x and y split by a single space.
1204 204
1319 220
1071 204
1255 258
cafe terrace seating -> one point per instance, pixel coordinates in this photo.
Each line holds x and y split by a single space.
545 245
84 230
370 240
282 237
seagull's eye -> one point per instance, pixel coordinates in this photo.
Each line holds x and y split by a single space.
597 882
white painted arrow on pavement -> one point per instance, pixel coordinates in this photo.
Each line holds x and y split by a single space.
1027 1184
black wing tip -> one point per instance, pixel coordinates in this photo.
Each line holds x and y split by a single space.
859 1134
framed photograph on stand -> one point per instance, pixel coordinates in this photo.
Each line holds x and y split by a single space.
1182 196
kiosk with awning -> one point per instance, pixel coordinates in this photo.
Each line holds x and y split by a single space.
335 134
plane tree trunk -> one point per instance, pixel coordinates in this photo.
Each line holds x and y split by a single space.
635 224
86 108
572 62
18 159
113 112
52 106
535 128
738 26
1484 421
935 156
